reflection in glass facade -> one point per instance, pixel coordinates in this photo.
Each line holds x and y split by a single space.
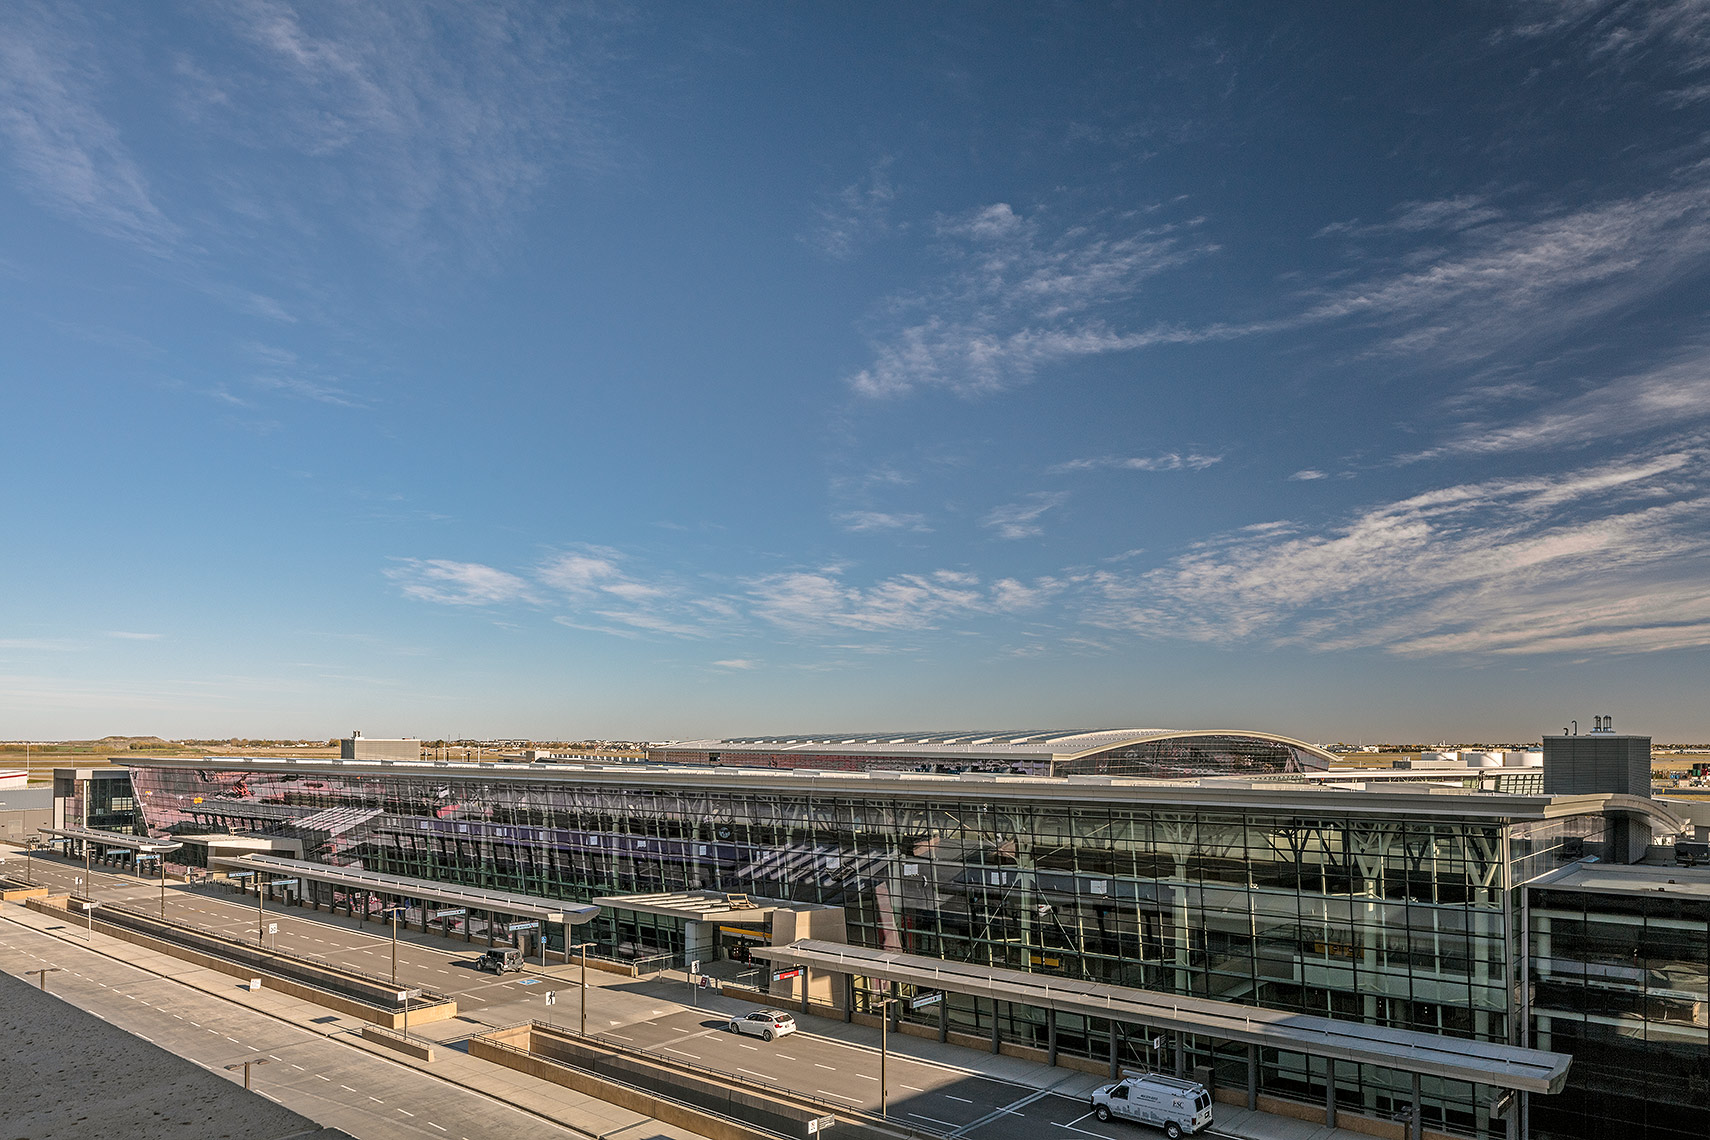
1397 915
1622 982
1197 754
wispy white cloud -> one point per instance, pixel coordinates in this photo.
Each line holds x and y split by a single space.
1515 281
64 150
821 602
1613 556
1170 461
1020 295
449 583
736 663
860 521
855 215
1621 33
441 118
1671 395
1021 519
1307 475
126 635
1445 215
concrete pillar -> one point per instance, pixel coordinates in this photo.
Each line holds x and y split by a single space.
1329 1093
944 1020
1416 1126
806 976
1252 1078
1112 1026
997 1032
1051 1037
489 929
848 998
1181 1056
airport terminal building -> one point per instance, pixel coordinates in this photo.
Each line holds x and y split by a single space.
1218 866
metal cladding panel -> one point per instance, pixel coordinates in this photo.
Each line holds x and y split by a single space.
1597 763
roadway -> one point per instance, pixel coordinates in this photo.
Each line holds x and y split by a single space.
930 1093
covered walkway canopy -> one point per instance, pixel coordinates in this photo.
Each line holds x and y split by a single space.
1481 1063
132 843
428 890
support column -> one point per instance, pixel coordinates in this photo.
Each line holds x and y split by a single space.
1181 1056
997 1032
1329 1093
1252 1078
489 929
944 1020
848 998
1416 1126
805 978
1051 1037
1112 1027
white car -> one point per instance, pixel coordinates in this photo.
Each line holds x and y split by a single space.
765 1025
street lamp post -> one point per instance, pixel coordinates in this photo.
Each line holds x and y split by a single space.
583 984
244 1065
41 975
883 1006
395 955
260 926
30 846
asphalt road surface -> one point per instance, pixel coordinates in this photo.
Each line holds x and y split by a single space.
954 1099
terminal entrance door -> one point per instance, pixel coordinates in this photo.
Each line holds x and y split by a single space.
735 943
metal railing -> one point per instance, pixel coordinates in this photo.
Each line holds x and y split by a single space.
506 1047
783 1092
428 996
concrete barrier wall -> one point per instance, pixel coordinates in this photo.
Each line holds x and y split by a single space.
408 1046
378 1015
18 892
510 1049
778 1112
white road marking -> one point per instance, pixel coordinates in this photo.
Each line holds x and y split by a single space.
696 1056
752 1073
963 1099
817 1065
839 1096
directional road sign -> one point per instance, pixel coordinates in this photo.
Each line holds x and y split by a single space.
925 1000
513 927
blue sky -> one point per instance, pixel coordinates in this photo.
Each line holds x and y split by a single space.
476 369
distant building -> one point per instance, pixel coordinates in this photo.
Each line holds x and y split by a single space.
360 747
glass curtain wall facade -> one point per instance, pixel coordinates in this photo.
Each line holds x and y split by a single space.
1622 983
1398 921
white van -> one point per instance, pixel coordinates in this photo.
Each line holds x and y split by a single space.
1178 1107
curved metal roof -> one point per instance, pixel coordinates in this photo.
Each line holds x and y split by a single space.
1026 744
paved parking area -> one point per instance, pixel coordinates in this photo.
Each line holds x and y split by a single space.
944 1089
